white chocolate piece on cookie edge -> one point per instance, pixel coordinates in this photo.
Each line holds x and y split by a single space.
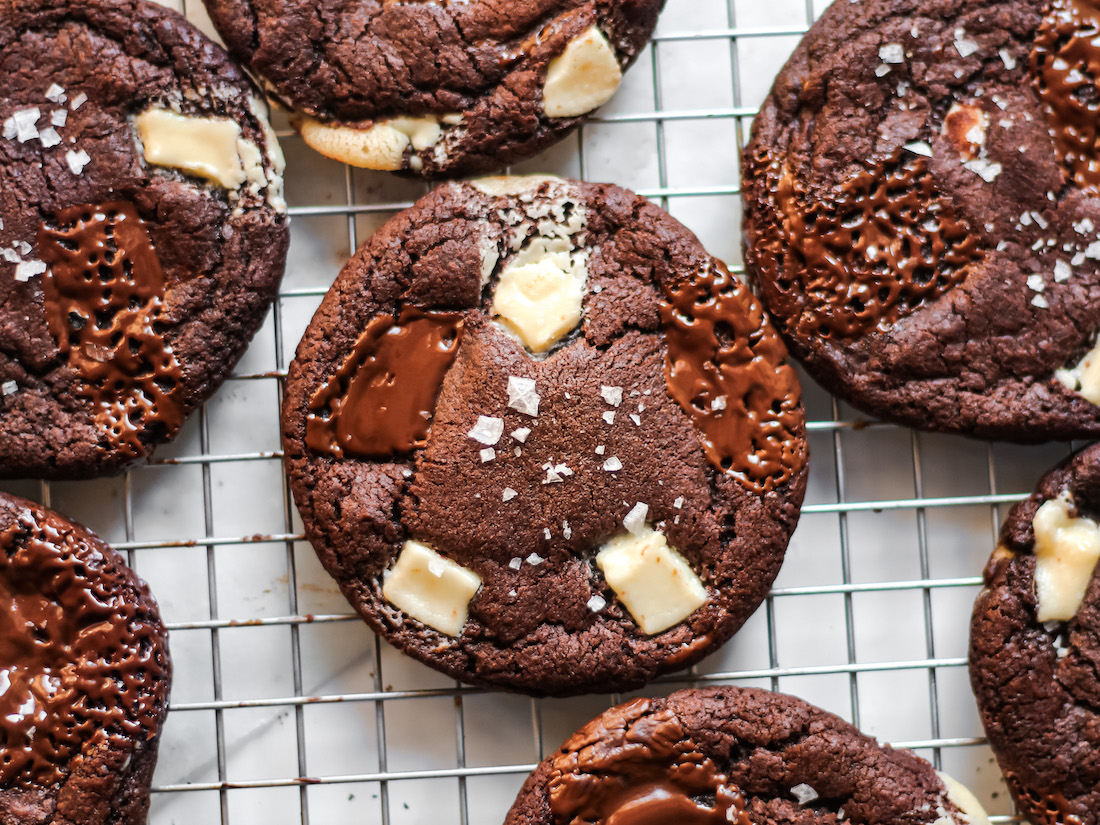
964 800
653 581
582 78
1066 552
430 588
380 146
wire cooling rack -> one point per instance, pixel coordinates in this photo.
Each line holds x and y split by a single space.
287 710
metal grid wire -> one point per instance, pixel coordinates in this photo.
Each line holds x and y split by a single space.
287 710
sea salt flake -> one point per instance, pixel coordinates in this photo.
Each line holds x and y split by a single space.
55 93
488 430
718 403
522 396
546 532
9 388
535 559
612 395
59 117
803 793
25 270
597 603
1093 251
566 530
521 434
1078 259
679 503
516 563
1084 227
1040 302
1040 221
1035 282
636 419
609 417
508 494
601 449
882 70
1061 271
77 160
892 53
488 454
613 465
987 170
919 147
634 521
24 122
49 137
10 255
964 45
1007 59
78 100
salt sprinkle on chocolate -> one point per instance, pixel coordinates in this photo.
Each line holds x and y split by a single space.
522 396
488 454
25 270
919 147
601 449
1061 271
508 494
78 100
892 53
516 563
77 160
803 793
636 419
55 93
566 530
597 603
679 503
488 430
634 521
9 387
612 395
613 465
521 434
535 559
609 417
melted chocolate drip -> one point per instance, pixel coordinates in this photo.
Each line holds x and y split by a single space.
730 374
103 296
380 402
1065 67
634 767
1048 809
880 247
78 663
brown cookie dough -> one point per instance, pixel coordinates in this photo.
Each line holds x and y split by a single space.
1035 647
922 215
447 88
724 755
542 440
143 231
84 675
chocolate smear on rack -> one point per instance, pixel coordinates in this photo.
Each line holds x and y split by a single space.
872 251
1065 68
730 374
104 293
634 767
79 663
1049 809
381 400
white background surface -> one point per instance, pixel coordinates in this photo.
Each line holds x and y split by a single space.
869 618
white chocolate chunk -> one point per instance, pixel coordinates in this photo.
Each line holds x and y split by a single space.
502 185
1066 552
204 146
1084 377
381 146
540 293
582 78
652 580
430 588
965 801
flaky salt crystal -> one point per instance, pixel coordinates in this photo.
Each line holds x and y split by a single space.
634 521
613 465
509 494
488 430
612 395
597 603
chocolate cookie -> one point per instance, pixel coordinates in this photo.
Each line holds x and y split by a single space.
544 441
436 88
84 675
922 214
1035 647
142 229
725 755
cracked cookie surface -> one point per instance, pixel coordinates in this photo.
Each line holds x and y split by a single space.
921 212
86 674
437 88
560 495
143 232
1035 647
734 755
